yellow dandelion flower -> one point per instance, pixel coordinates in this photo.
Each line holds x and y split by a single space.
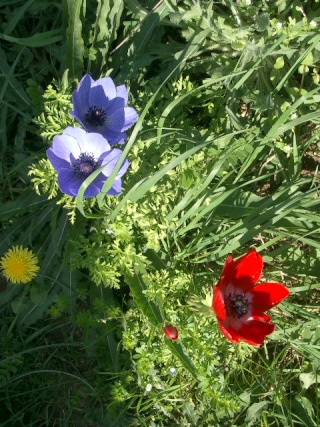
19 265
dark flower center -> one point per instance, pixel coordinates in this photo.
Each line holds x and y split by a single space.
237 305
84 166
95 116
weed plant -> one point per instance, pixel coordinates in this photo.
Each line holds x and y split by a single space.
223 158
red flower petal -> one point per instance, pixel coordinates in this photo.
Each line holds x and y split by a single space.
257 315
171 332
255 331
227 272
244 274
267 295
229 333
247 270
218 304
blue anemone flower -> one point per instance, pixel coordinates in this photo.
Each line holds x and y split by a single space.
76 154
100 107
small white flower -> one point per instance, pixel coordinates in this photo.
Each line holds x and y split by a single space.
294 116
313 24
279 24
287 149
173 371
148 388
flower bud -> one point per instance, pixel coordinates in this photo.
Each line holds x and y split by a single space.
171 332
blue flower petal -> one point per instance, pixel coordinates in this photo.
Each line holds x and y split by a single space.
122 119
116 188
114 137
68 182
108 87
78 112
64 145
96 186
100 106
56 161
75 146
97 98
124 168
131 116
96 144
114 105
122 93
78 134
93 189
110 160
80 95
116 121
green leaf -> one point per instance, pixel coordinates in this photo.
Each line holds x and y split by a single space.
148 308
179 351
25 202
255 409
37 40
14 84
144 185
279 63
30 311
313 42
18 15
106 27
301 409
262 22
156 318
308 379
39 293
308 60
74 42
188 177
19 304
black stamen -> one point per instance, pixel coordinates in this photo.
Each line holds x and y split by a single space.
84 166
95 116
237 304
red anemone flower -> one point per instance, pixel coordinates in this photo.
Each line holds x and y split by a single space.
239 303
171 332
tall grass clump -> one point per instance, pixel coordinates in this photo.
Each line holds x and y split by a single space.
109 311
